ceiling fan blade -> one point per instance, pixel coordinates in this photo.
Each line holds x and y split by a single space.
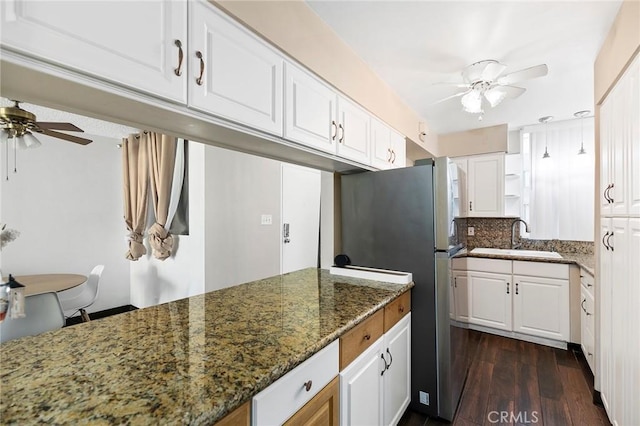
50 125
525 74
453 84
497 94
457 95
70 138
492 71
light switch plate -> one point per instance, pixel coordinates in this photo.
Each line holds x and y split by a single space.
471 230
266 219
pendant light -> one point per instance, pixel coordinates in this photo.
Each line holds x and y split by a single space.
545 120
581 115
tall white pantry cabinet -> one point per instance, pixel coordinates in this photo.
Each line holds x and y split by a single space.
619 271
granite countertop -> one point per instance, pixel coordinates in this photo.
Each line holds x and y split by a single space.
191 361
585 261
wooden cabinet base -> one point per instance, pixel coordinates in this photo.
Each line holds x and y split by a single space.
322 410
240 416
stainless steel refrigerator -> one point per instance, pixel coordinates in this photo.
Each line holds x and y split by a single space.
402 219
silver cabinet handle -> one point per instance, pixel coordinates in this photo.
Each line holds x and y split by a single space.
604 242
386 367
517 288
582 305
341 133
611 200
507 288
470 206
608 243
606 194
335 130
394 157
178 71
199 79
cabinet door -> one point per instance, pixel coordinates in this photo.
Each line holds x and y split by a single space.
619 138
381 153
485 188
632 348
461 291
130 43
587 339
354 131
604 316
398 149
323 409
541 307
241 75
490 299
361 388
620 284
605 156
633 143
397 377
310 110
460 186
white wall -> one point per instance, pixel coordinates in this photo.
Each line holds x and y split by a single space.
66 201
156 281
239 189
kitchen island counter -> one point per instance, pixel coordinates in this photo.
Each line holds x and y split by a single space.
191 361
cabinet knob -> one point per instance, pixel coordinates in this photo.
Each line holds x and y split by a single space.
367 337
178 70
307 385
199 79
401 309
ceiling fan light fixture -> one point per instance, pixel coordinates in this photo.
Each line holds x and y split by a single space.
495 96
472 102
30 141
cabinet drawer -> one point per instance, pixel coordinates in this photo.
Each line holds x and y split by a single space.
497 266
282 399
396 310
541 269
363 335
587 281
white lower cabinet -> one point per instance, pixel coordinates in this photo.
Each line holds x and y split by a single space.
541 307
522 297
490 299
375 389
587 321
278 402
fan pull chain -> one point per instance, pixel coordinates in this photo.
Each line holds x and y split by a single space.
6 158
15 156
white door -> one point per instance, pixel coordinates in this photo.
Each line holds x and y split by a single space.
486 185
300 228
540 307
131 43
397 378
310 110
461 290
354 137
490 299
232 73
361 388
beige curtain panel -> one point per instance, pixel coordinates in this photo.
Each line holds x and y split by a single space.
135 176
162 158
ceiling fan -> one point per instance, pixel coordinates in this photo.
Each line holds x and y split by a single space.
19 123
484 83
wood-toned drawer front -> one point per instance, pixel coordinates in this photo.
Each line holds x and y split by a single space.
359 338
239 417
541 269
283 398
396 310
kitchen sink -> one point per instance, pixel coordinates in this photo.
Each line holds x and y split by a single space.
522 253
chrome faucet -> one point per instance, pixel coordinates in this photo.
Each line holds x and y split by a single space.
513 233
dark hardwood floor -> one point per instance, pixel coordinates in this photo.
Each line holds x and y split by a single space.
529 384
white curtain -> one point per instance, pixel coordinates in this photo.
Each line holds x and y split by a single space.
562 186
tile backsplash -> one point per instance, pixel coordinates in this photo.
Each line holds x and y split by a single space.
495 232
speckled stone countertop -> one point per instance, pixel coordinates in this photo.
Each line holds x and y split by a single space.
585 261
191 361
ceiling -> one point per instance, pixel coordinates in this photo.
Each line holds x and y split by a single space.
413 44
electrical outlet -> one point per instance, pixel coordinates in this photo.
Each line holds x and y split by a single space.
266 219
424 398
471 230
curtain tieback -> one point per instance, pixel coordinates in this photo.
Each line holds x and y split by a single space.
136 248
161 241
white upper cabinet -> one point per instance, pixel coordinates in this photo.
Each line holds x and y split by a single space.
310 110
354 137
485 184
388 147
481 184
232 73
620 146
138 44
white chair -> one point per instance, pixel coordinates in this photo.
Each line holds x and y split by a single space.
74 303
43 312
